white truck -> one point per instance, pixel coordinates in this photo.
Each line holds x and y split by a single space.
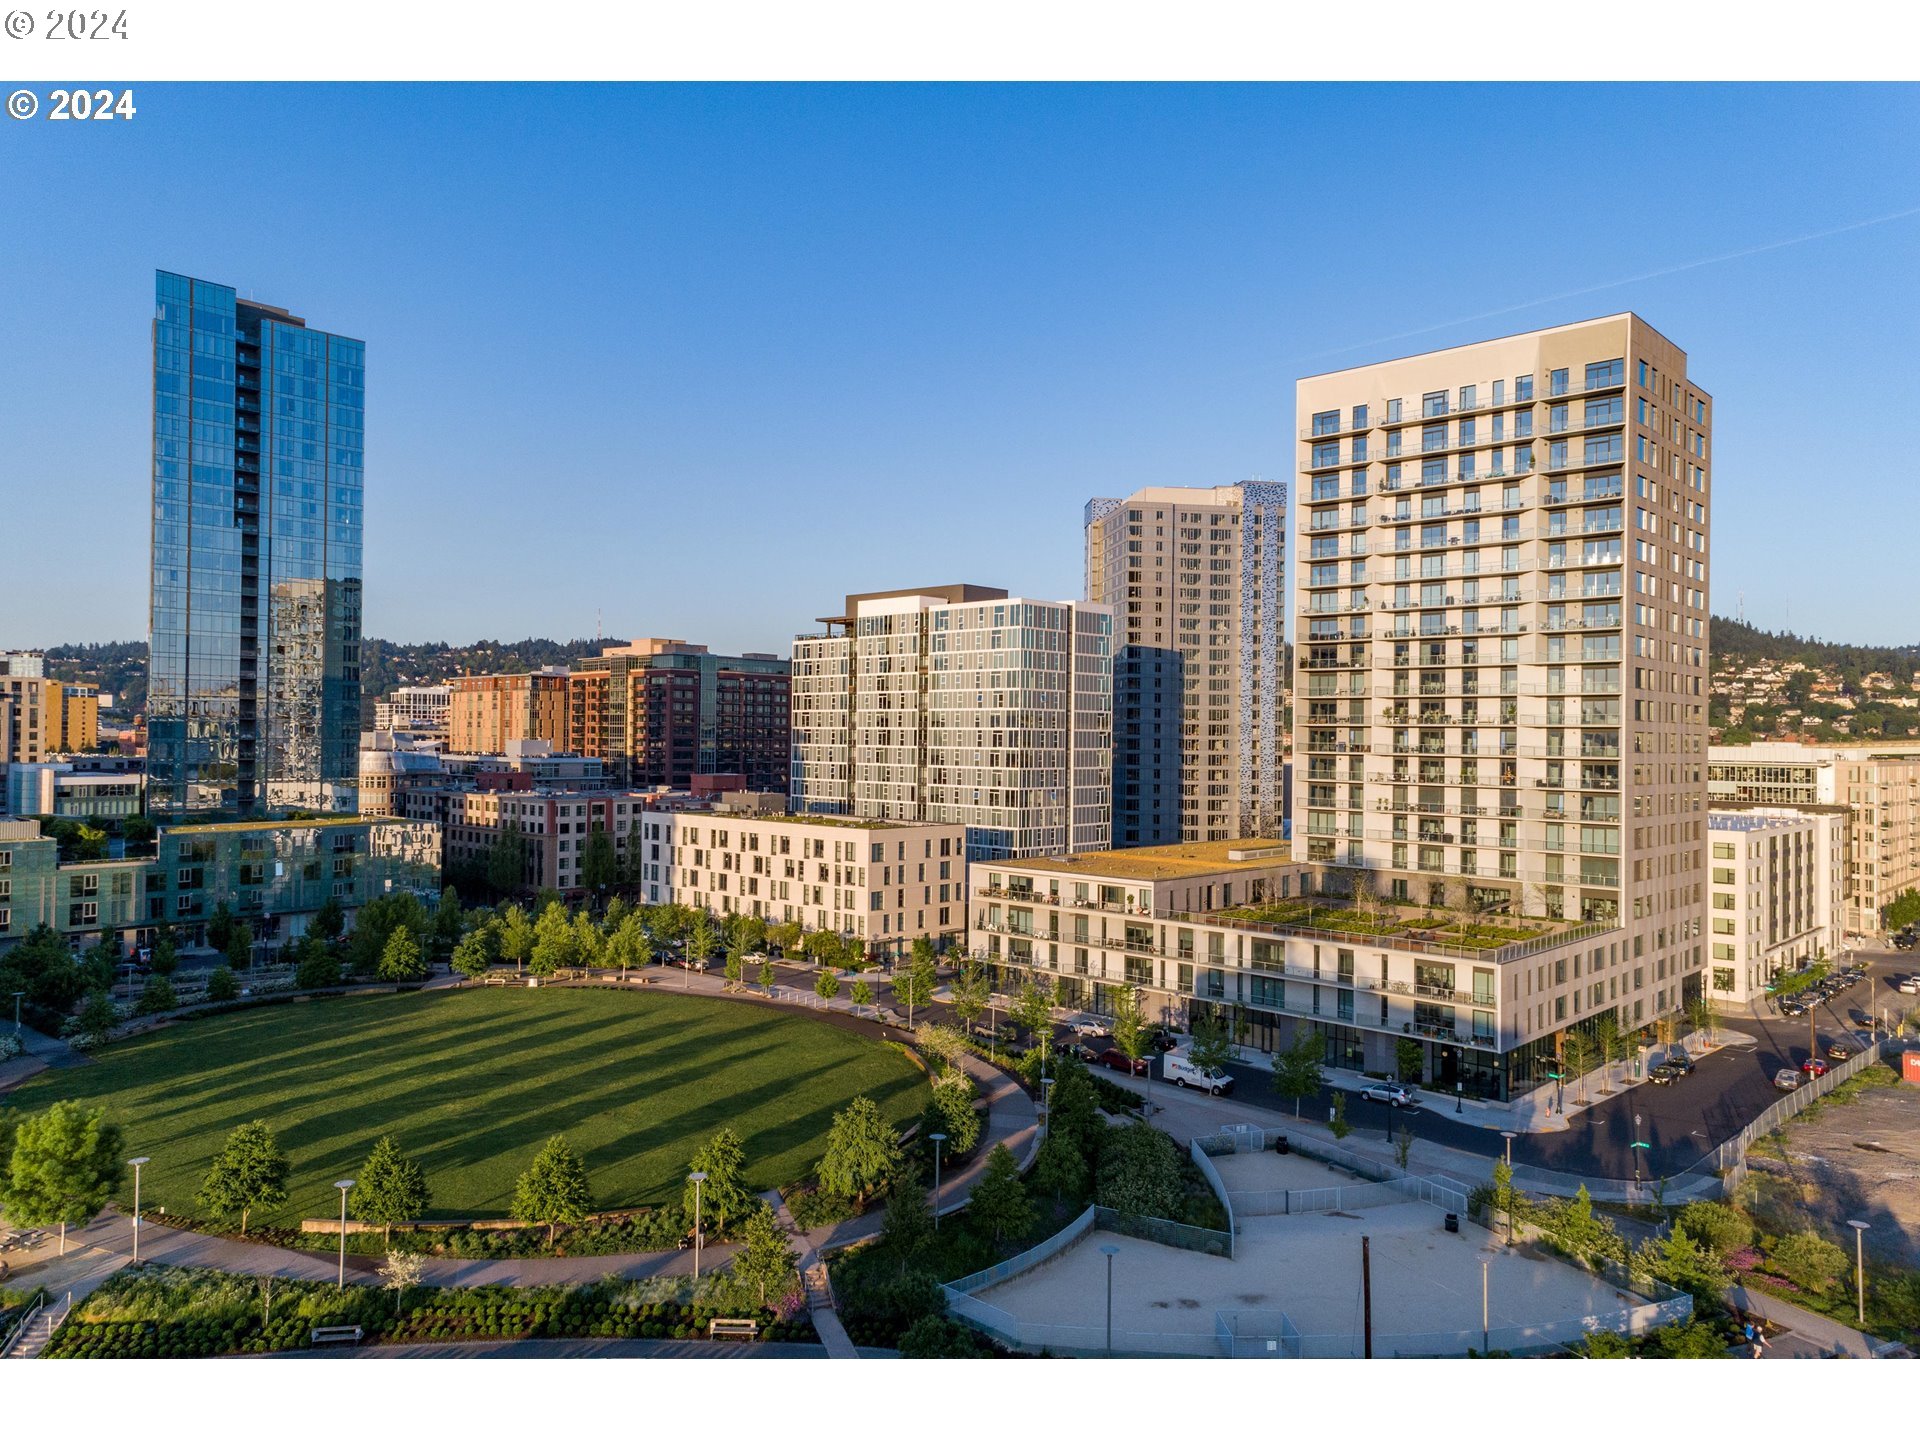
1181 1070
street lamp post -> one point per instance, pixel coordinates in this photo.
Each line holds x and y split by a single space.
1046 1107
1860 1228
1508 1136
699 1178
16 1010
342 1186
1109 1251
136 1162
939 1137
1459 1093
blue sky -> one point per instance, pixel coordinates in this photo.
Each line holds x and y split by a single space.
698 360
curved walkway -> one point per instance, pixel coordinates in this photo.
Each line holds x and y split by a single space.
1012 1119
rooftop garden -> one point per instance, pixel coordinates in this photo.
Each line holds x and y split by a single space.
1468 931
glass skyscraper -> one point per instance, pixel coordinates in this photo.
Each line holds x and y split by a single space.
253 697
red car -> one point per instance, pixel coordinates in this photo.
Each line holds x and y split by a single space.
1117 1060
1814 1065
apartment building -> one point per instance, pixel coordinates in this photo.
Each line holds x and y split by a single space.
485 712
960 705
274 874
58 787
30 719
660 712
871 880
554 829
1878 784
414 710
1196 581
390 765
1777 887
1239 932
1502 599
23 664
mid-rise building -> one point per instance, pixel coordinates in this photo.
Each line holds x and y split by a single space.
391 765
253 691
1241 933
660 712
60 788
1878 784
1777 882
557 838
960 705
486 712
1196 582
30 719
23 664
414 710
1503 617
78 719
272 874
882 883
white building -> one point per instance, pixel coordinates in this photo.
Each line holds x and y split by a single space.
414 709
1777 895
871 880
58 787
960 705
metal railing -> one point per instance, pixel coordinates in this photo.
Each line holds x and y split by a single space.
1206 1167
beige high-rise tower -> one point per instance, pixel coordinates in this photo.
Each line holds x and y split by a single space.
1501 645
1197 582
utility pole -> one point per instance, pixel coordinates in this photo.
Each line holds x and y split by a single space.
1366 1295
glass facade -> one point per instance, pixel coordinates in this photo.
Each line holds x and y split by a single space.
258 434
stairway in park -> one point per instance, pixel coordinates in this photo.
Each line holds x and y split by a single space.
818 1287
39 1330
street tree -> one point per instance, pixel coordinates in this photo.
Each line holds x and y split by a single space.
329 922
736 967
862 994
249 1173
999 1206
826 984
1700 1015
1606 1041
913 983
589 943
766 975
315 963
724 1196
600 864
507 860
765 1263
701 940
553 1191
862 1149
1212 1046
222 986
1033 1012
972 988
785 937
1576 1053
63 1165
1296 1070
391 1188
629 946
239 946
1129 1023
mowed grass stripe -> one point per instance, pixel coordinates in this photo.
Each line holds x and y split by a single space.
472 1082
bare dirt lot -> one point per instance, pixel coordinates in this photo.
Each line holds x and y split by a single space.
1856 1159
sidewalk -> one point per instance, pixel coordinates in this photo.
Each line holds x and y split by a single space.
1806 1336
40 1052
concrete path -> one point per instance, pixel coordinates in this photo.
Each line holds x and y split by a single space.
40 1052
1805 1335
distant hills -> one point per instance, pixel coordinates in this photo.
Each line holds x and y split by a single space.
1736 646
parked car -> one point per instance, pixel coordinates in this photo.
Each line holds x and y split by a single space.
1664 1074
1088 1054
1679 1061
1163 1041
1837 1051
1387 1092
1116 1059
1814 1066
1180 1069
1786 1079
1792 1007
1088 1025
1910 985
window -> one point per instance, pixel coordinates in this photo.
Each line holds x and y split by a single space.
1326 422
1556 382
1605 373
1359 417
1433 403
1326 455
1523 388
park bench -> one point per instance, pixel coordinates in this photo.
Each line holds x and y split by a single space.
335 1335
732 1329
491 979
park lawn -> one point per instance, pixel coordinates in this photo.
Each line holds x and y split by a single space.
473 1082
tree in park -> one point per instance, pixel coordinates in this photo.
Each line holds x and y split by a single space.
239 946
401 959
724 1196
1033 1012
329 922
765 1263
972 987
165 957
156 996
315 963
97 1017
553 941
473 956
1061 1168
1212 1047
826 984
589 944
391 1189
222 987
670 923
507 860
553 1191
766 975
220 925
249 1173
907 1227
862 1149
629 946
617 910
701 939
64 1165
999 1206
862 994
1129 1023
599 866
448 922
516 936
1296 1070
